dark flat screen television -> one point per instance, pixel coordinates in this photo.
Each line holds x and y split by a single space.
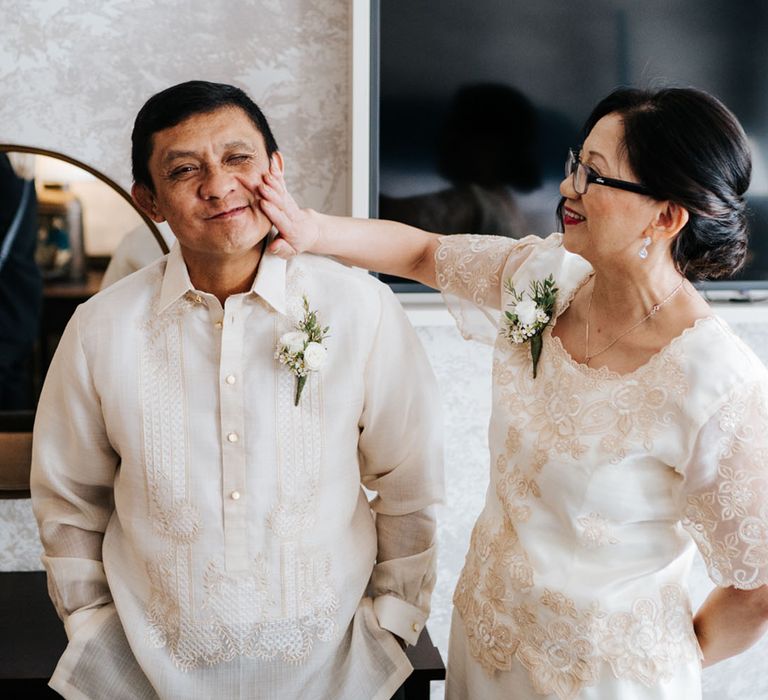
479 100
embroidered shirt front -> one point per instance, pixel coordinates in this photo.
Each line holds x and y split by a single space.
238 541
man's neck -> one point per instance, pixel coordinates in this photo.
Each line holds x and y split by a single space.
223 276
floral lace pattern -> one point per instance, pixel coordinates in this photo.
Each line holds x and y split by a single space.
491 642
574 408
470 266
596 531
728 516
563 646
582 418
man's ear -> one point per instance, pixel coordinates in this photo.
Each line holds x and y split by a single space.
276 162
670 220
145 200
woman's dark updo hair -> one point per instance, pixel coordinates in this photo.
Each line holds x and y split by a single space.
685 146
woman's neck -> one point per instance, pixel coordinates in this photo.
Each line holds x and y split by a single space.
621 295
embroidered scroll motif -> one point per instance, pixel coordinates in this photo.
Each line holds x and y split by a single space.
308 592
236 617
212 617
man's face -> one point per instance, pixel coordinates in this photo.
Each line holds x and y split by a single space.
205 171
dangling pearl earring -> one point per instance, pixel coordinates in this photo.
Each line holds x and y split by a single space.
643 253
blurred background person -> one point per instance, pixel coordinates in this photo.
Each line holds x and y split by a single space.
21 286
486 152
138 248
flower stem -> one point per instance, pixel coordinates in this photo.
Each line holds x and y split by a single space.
535 351
300 382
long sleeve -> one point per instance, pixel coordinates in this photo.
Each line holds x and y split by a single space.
401 461
73 470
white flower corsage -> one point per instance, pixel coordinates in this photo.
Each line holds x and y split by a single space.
529 315
302 350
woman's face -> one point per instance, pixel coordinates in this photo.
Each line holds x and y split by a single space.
606 225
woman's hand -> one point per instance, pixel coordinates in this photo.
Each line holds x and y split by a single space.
298 228
729 621
385 246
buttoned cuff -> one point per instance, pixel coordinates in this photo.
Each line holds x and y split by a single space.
400 618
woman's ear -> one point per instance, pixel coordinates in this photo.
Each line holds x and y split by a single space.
145 200
670 219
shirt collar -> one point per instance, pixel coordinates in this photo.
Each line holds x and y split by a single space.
176 282
269 283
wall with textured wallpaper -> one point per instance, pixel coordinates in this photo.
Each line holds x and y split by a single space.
73 74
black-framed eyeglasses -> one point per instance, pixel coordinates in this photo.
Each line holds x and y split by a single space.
583 175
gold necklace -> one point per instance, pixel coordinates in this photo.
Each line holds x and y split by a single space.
654 309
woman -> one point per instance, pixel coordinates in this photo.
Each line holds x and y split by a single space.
643 431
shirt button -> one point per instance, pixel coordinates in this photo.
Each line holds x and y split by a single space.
230 379
198 299
233 437
219 324
235 495
415 627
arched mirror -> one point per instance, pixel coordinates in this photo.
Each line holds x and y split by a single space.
61 222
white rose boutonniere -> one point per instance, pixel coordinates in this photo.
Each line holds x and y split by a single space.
530 313
295 341
314 356
302 350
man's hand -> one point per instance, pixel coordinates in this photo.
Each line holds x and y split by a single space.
298 228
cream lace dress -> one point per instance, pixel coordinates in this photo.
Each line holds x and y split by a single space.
574 585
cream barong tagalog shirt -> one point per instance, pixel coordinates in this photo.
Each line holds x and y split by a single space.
204 537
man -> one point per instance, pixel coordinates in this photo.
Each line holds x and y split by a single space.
197 467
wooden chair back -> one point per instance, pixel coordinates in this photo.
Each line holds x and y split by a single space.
15 453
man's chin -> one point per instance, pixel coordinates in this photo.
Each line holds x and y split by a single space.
242 234
228 246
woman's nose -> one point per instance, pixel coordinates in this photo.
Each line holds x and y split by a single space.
567 189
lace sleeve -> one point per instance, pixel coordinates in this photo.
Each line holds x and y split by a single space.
726 490
469 272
